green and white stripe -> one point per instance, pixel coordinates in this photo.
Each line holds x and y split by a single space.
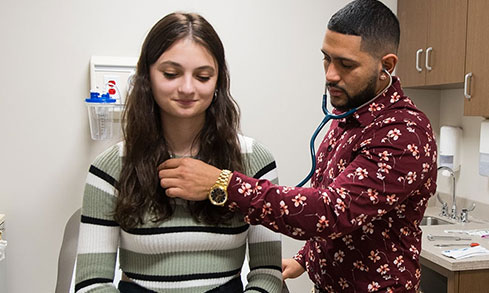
179 254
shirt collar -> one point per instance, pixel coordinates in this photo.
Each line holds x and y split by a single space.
367 113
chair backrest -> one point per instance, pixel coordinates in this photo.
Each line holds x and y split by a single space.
67 253
65 281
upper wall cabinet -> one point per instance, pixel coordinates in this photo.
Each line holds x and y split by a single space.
432 46
476 87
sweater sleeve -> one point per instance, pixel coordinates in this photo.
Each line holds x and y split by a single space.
264 245
265 257
99 233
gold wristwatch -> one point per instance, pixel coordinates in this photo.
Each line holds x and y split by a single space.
218 195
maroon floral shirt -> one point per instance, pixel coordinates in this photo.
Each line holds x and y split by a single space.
375 172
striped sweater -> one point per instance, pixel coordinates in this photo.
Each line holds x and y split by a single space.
179 254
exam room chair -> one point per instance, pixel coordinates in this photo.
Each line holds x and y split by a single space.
67 253
65 281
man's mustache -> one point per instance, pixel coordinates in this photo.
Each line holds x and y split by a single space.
335 86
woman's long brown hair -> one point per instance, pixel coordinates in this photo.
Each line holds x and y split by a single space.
140 194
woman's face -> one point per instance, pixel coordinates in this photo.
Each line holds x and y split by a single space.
183 80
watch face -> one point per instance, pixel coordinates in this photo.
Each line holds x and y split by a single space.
218 195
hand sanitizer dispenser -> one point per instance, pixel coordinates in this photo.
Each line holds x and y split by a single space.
450 138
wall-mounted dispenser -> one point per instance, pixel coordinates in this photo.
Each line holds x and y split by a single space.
450 139
484 149
110 83
101 109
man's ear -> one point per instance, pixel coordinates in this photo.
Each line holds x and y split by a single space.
389 62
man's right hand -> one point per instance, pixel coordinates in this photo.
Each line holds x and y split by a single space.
291 269
187 178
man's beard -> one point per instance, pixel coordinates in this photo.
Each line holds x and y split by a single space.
361 98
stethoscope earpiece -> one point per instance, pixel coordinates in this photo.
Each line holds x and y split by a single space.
384 73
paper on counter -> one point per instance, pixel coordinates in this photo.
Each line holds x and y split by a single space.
475 232
465 252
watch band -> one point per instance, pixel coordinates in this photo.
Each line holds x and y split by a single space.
224 177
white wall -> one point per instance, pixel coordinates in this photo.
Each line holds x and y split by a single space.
273 50
469 184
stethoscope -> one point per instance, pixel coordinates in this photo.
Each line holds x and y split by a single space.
328 116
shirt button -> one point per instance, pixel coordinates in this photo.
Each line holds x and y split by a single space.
330 148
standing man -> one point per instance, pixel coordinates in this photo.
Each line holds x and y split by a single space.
375 170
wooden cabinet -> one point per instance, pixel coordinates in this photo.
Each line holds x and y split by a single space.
473 281
432 46
444 45
477 60
413 19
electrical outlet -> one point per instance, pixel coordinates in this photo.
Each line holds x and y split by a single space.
112 75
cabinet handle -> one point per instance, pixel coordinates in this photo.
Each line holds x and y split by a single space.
427 60
418 68
466 86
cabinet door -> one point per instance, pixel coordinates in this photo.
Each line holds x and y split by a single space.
473 281
477 60
413 19
446 36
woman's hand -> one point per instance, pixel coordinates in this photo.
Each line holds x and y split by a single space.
187 178
291 269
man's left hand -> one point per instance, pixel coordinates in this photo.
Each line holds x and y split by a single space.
187 178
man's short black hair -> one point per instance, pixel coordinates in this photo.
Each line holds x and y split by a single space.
371 20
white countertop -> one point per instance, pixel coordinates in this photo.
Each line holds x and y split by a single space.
432 253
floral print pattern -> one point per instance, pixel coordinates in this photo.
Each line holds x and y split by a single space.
375 172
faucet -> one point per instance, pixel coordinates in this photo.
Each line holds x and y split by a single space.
444 206
453 212
464 214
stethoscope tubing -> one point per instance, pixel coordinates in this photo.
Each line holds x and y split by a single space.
328 116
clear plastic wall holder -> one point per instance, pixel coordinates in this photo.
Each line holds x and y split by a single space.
101 110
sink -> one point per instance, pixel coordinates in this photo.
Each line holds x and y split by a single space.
432 221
